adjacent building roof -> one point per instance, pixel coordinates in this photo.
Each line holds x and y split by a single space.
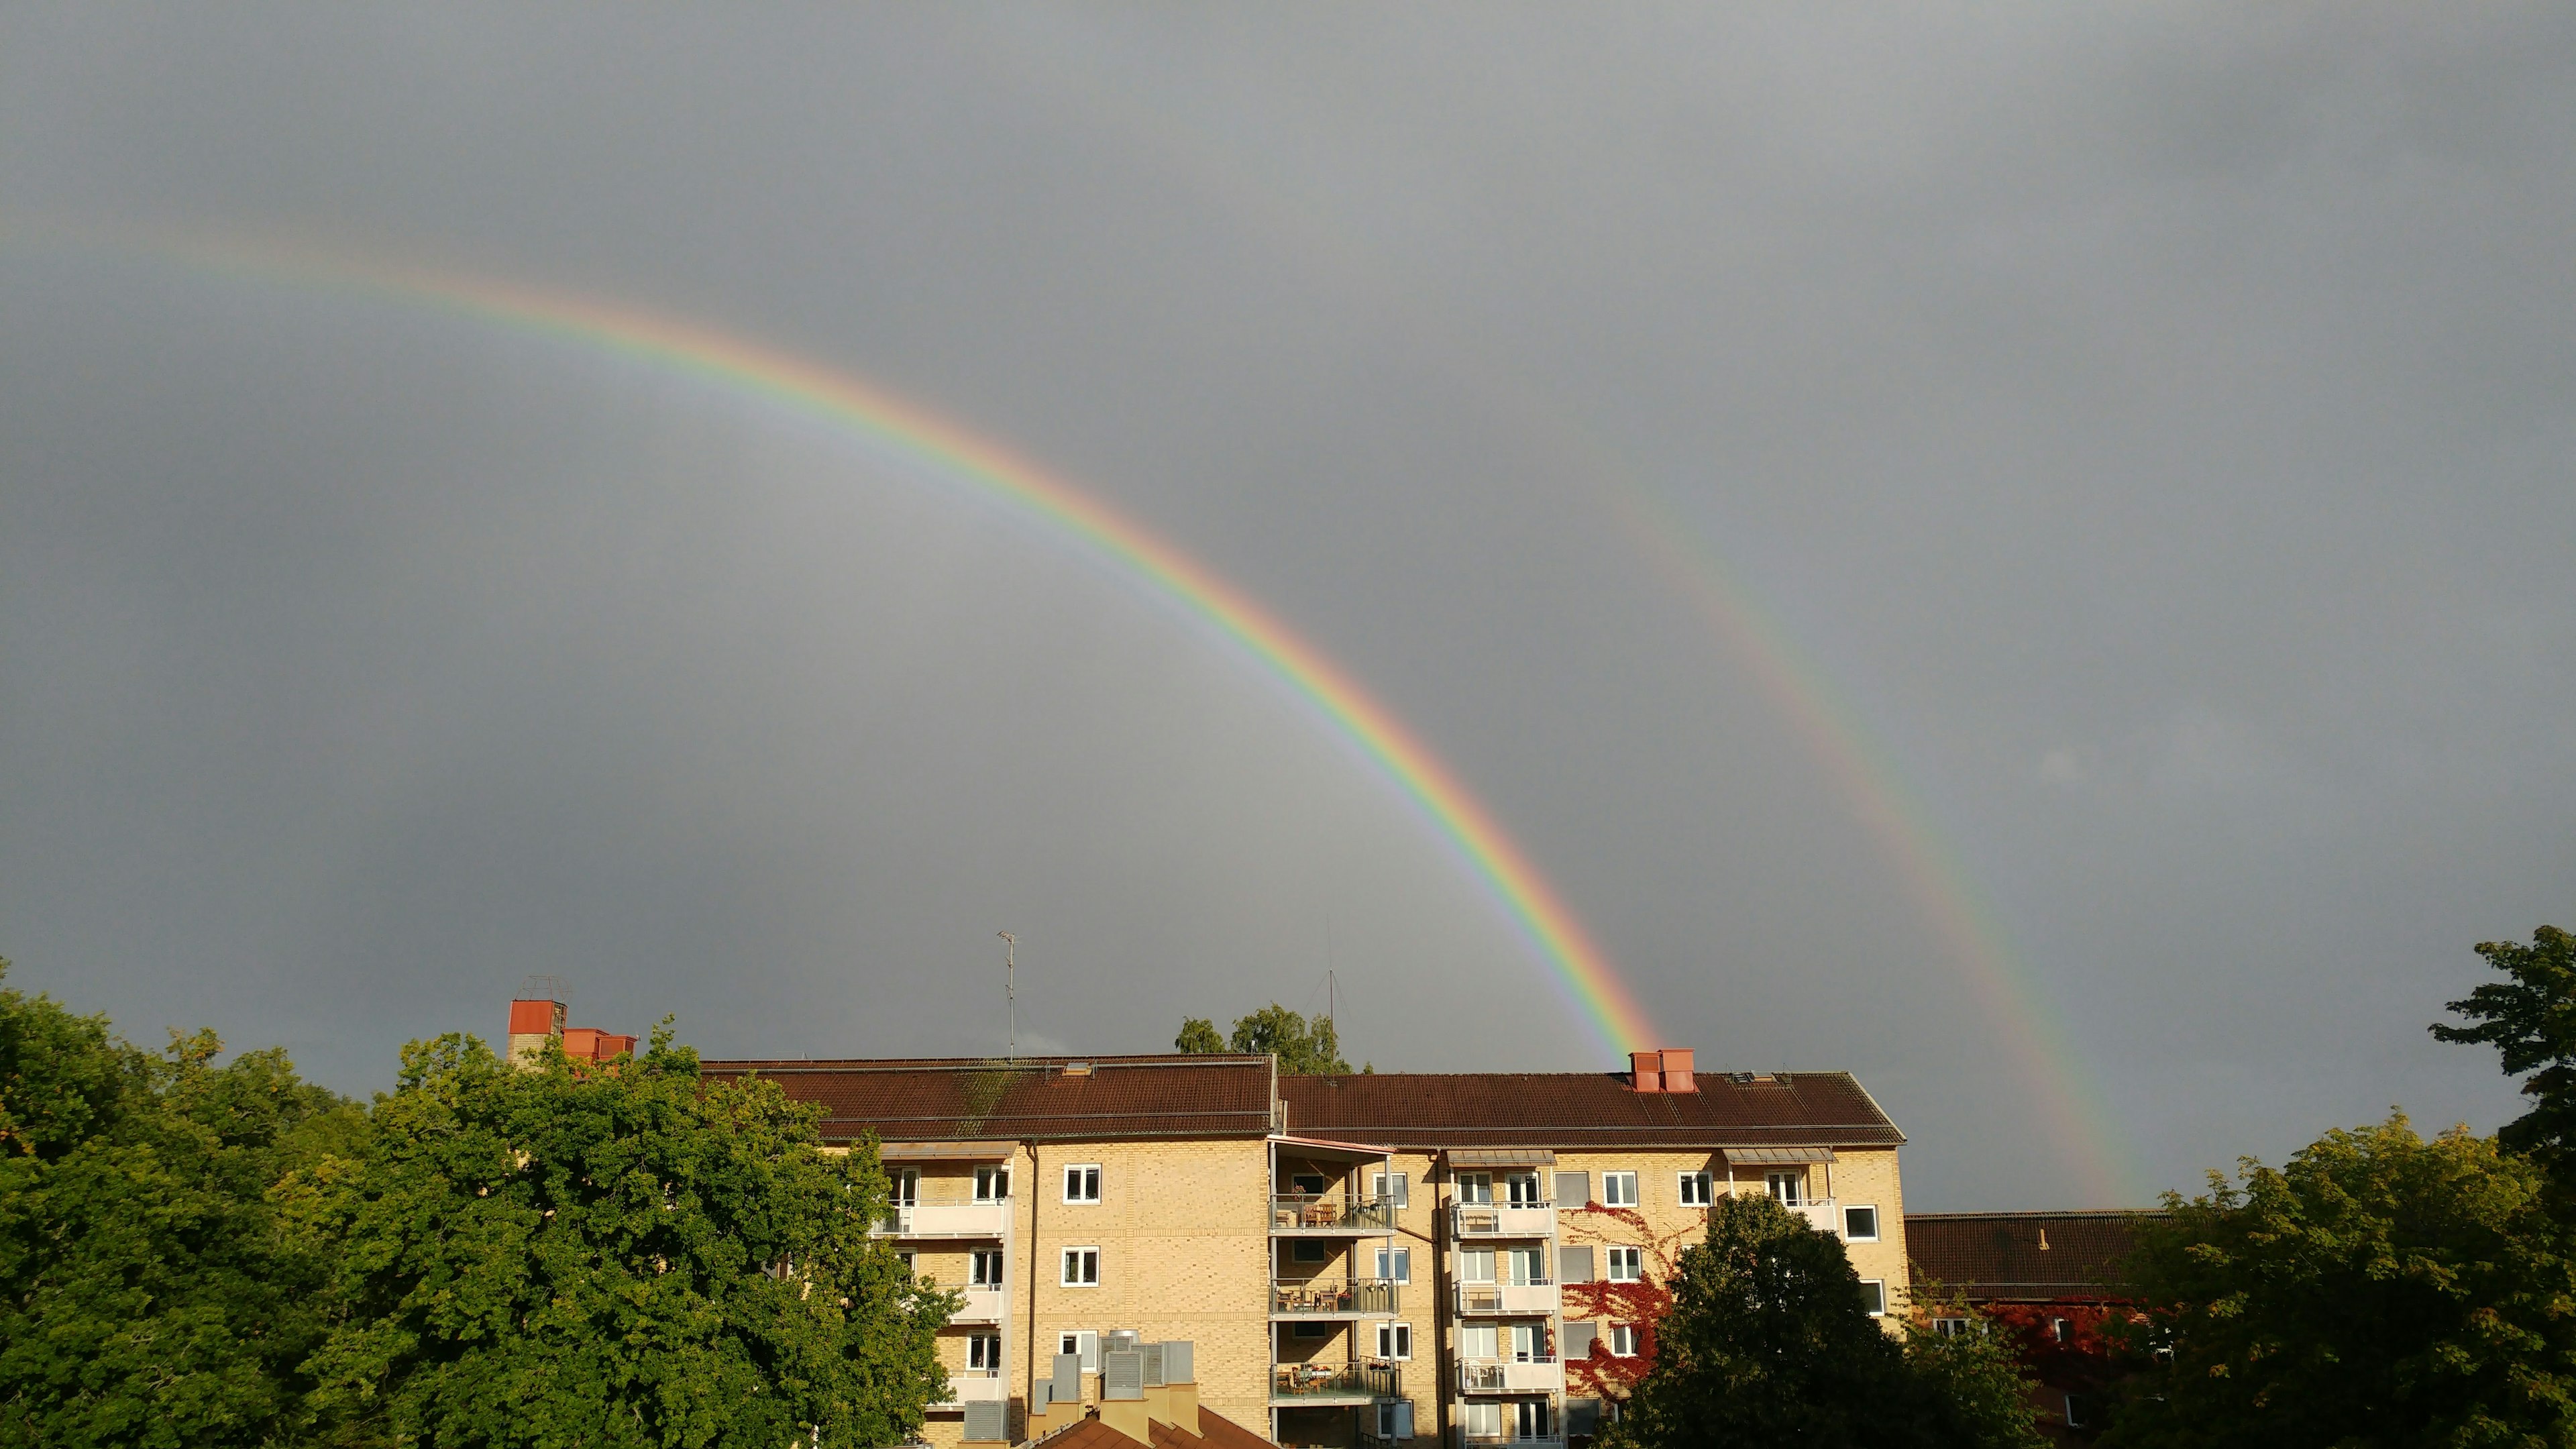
1027 1099
2022 1257
1215 1432
1588 1109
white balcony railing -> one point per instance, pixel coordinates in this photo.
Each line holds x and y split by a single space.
1496 1220
1509 1298
1331 1214
1510 1376
1464 1438
973 1386
945 1220
1823 1214
982 1305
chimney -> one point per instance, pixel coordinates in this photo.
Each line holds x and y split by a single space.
533 1020
1646 1071
1677 1070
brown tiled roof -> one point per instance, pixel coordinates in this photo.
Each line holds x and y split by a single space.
1028 1098
1216 1431
1991 1257
1587 1109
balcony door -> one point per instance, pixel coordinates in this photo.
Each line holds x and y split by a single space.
1528 1265
1476 1265
1476 1341
1789 1187
906 1182
1476 1187
1482 1421
1522 1188
1531 1416
1529 1342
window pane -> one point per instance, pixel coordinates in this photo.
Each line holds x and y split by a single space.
1860 1223
1873 1296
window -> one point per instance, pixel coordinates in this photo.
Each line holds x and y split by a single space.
906 1183
1521 1189
1873 1296
1475 1187
1388 1187
2078 1413
1627 1265
992 1184
1790 1188
1081 1268
1532 1419
1476 1265
1949 1327
1527 1266
1618 1189
1481 1420
1310 1184
1623 1340
1313 1330
984 1269
1529 1343
1310 1250
1086 1344
2061 1330
1696 1189
984 1354
1395 1419
1082 1184
1395 1340
1395 1264
1860 1224
1476 1340
906 1259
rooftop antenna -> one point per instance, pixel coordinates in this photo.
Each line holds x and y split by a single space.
1010 966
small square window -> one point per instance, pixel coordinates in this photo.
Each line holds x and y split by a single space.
1082 1183
1084 1345
1081 1268
1949 1327
1696 1189
984 1269
1618 1189
992 1184
984 1353
1627 1265
1389 1188
1873 1296
1623 1340
1395 1340
1475 1187
1395 1264
1860 1224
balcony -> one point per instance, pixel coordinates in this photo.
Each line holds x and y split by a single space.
972 1385
982 1305
1822 1214
1511 1376
1493 1220
1327 1384
1304 1215
945 1220
1523 1299
1461 1438
1316 1298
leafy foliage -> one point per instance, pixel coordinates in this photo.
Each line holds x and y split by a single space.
1304 1049
2531 1021
1768 1342
2380 1289
616 1254
150 1293
1198 1037
1983 1377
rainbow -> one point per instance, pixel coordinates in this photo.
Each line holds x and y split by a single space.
1583 973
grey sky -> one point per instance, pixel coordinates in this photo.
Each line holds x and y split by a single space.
2151 425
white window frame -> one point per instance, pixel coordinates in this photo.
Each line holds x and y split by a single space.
2062 1329
1473 1260
1476 1188
1486 1331
1863 1207
1879 1287
986 1346
1623 1340
1085 1345
1697 1189
976 1269
1395 1265
1072 1262
1080 1177
1389 1187
903 1187
1619 1189
1481 1419
1633 1259
1395 1340
1787 1188
1949 1327
1524 1188
987 1178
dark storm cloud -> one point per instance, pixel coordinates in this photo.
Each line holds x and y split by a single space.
2151 425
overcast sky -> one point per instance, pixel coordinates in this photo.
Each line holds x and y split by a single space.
2143 433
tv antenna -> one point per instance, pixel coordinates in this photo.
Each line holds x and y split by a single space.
1010 967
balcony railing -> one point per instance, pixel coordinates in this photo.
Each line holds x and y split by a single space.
1503 1220
982 1305
946 1220
1319 1299
1309 1213
1538 1297
974 1385
1823 1214
1461 1438
1290 1381
1541 1374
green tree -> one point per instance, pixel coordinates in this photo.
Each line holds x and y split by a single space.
2531 1021
150 1293
1303 1050
1978 1377
1769 1342
2377 1290
617 1254
1198 1037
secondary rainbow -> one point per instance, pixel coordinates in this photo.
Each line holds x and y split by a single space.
1583 973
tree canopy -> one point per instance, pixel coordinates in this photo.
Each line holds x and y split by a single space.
1769 1342
2380 1289
2531 1021
1304 1049
615 1254
150 1294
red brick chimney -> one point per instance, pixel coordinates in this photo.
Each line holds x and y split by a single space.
1677 1070
1646 1071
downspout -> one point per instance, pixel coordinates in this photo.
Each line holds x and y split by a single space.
1035 1197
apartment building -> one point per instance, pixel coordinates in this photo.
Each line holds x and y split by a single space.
1354 1261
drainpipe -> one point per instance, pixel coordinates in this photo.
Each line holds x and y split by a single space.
1035 1197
